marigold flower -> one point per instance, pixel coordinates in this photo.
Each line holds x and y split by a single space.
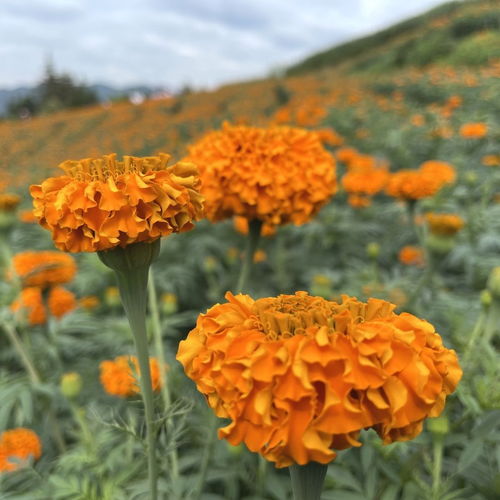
278 175
491 160
444 224
118 376
9 202
421 183
17 446
330 137
44 269
300 376
359 201
59 300
411 256
473 130
102 203
89 302
365 181
346 154
27 216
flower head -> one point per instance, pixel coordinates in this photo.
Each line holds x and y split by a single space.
474 130
20 445
44 269
411 256
422 183
9 202
444 224
118 376
277 175
300 376
102 203
30 300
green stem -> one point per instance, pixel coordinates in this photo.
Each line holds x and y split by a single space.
478 328
157 337
23 354
132 284
308 480
437 466
254 228
207 453
35 379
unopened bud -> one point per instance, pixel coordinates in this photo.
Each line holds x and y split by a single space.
169 303
486 299
439 426
71 384
373 250
494 283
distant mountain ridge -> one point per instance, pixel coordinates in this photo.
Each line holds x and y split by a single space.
104 93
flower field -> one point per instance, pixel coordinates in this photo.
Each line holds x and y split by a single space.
316 231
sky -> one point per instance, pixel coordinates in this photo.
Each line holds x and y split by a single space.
172 43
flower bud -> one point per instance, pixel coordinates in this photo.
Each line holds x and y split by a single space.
494 283
486 298
112 296
209 264
169 304
440 245
71 385
439 426
373 250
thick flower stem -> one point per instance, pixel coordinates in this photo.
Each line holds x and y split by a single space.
308 480
254 229
437 466
133 292
165 392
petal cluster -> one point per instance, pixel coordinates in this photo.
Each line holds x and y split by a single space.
20 445
277 174
102 203
300 376
444 224
421 183
118 376
59 301
44 269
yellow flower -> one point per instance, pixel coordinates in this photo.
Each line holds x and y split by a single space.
300 376
102 203
277 175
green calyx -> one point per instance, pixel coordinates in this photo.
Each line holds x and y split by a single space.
308 480
131 257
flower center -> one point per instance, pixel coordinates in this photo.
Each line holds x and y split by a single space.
289 315
100 169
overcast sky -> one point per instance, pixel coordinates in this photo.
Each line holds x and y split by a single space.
170 43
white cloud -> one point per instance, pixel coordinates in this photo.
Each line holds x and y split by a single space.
171 42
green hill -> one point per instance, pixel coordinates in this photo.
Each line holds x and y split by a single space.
458 33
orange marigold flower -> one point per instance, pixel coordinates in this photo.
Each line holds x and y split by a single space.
27 216
18 446
59 300
241 225
118 376
30 300
365 181
301 376
474 130
330 137
44 269
491 160
444 224
421 183
346 154
277 175
89 303
9 202
102 203
411 256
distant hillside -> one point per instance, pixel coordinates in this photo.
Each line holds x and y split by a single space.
458 33
104 93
